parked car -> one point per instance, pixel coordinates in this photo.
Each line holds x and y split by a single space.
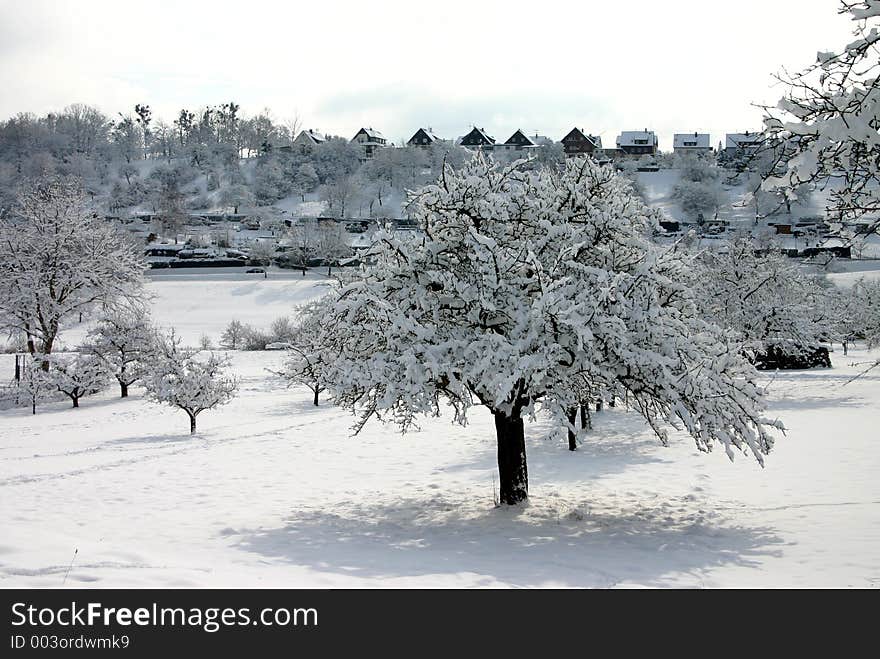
255 271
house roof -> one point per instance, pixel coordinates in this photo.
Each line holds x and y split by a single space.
480 132
428 133
529 141
629 137
703 140
736 140
579 134
371 133
313 135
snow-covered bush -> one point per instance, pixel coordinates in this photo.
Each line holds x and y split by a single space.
183 379
233 336
520 282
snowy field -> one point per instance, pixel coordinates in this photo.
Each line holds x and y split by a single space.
273 492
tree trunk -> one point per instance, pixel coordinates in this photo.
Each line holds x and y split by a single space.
76 401
599 405
123 390
192 424
845 346
586 421
612 402
572 419
316 398
512 471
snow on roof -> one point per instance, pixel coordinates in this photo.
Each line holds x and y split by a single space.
429 133
595 139
482 132
737 140
371 133
684 140
313 135
630 137
518 131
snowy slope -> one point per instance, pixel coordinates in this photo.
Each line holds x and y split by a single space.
273 492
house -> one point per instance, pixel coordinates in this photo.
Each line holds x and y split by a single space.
308 139
478 139
695 143
578 143
424 138
519 141
739 146
369 140
637 142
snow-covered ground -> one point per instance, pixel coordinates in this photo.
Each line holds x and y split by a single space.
274 492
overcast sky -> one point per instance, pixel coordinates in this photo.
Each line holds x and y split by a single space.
602 65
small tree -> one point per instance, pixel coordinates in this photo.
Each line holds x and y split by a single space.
332 244
262 252
306 363
303 238
180 379
34 383
124 339
78 376
699 190
233 336
282 330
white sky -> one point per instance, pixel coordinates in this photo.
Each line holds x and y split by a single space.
605 66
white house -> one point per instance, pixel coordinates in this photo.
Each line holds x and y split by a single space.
697 143
309 138
742 144
637 142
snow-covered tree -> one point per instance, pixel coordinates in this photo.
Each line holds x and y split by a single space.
233 336
855 313
263 251
78 375
762 296
521 281
829 118
303 239
699 191
59 260
332 244
124 339
306 362
180 378
34 383
305 179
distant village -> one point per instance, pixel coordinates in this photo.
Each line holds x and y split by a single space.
577 142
